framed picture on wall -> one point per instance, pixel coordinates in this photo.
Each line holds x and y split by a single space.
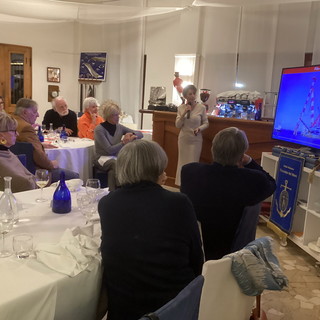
53 74
93 66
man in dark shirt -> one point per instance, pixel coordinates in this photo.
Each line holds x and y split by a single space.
221 190
60 115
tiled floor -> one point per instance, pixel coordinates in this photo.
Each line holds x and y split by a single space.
302 299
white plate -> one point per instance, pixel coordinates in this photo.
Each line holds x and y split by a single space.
73 184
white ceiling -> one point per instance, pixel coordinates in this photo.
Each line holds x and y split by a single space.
106 11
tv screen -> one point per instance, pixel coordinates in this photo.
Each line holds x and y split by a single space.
297 117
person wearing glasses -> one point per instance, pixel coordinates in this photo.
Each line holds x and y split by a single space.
10 165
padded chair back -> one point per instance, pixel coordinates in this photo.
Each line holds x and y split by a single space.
246 231
101 175
184 306
27 149
221 296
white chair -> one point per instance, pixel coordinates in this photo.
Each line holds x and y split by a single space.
221 297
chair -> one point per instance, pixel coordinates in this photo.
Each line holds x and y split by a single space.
184 306
101 175
246 231
221 296
27 149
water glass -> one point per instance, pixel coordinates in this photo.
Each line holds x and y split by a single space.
93 187
22 245
87 205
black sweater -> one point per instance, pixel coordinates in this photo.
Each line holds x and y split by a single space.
219 195
70 121
151 248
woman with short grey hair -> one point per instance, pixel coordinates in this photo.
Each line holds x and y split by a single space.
151 247
90 118
109 138
228 146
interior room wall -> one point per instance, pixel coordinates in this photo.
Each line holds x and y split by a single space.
52 46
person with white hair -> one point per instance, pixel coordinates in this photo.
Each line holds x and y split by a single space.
90 119
60 115
221 190
150 244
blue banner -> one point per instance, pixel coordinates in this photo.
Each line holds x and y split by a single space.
285 196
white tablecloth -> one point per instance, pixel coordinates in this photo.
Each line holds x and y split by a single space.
30 290
76 155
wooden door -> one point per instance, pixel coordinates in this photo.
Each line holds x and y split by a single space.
15 74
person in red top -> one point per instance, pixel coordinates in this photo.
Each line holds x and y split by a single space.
90 119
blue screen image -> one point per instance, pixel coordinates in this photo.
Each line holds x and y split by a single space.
297 117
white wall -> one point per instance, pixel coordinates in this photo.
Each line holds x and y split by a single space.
52 46
271 37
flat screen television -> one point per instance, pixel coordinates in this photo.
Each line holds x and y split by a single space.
297 116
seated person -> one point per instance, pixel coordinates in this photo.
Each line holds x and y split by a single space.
151 247
26 114
90 119
10 165
220 191
109 138
60 115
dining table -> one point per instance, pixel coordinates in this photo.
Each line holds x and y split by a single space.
76 154
51 287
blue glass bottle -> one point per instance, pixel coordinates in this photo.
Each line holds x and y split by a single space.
40 135
63 134
61 202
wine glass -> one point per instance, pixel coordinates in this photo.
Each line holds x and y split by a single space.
87 205
93 188
42 179
6 225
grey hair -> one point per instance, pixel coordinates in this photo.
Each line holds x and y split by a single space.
90 101
187 88
7 122
229 146
140 160
109 107
53 102
24 103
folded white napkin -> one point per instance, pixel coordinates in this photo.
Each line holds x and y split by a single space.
75 252
72 184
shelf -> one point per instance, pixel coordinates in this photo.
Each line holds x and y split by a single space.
315 213
298 242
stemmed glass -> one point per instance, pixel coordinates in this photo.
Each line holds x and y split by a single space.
6 224
87 205
42 179
93 188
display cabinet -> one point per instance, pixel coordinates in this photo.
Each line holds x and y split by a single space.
306 221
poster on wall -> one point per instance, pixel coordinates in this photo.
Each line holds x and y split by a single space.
93 66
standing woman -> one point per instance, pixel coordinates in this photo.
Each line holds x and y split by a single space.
192 120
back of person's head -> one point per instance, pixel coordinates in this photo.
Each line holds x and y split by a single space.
229 146
109 108
186 89
24 103
140 160
7 122
90 101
